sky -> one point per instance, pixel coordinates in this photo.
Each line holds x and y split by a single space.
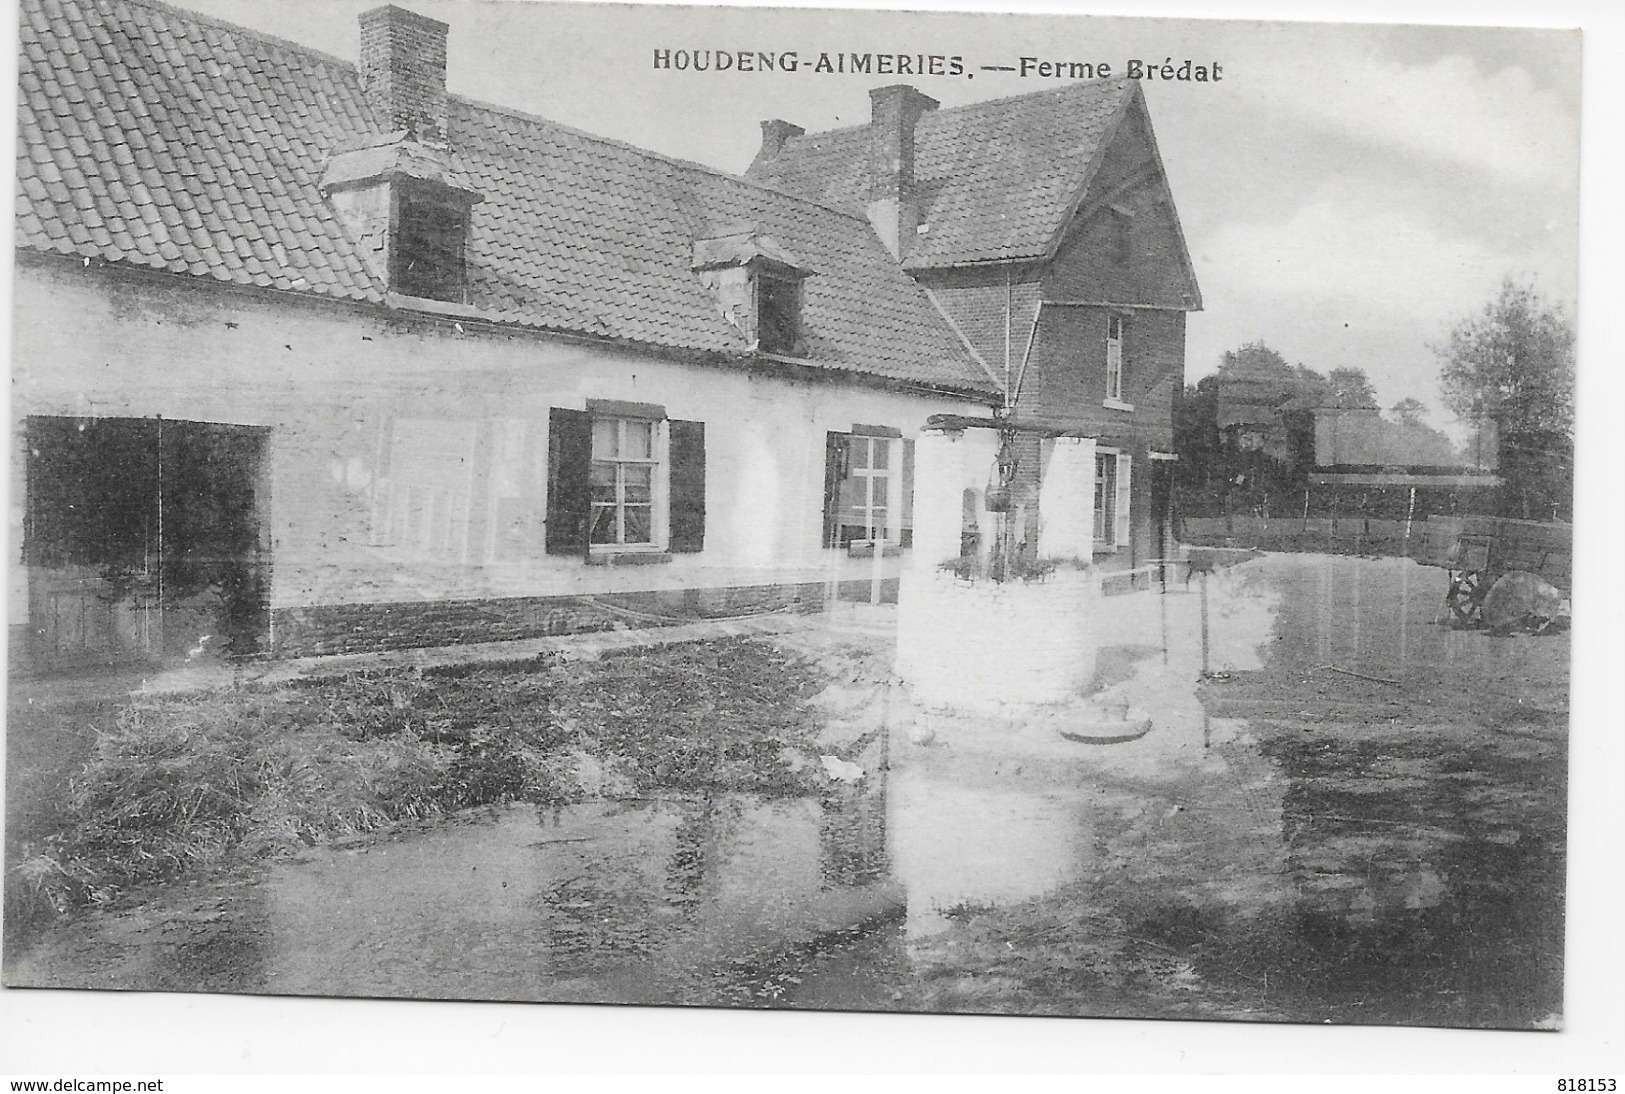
1348 192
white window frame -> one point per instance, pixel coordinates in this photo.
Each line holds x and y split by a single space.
659 465
1115 530
891 472
1116 328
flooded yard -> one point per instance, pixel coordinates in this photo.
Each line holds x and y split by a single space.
1356 815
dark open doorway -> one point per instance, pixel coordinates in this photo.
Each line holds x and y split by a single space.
144 541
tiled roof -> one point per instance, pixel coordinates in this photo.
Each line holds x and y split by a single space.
152 137
996 180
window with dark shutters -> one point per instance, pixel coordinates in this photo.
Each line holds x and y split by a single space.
569 466
603 466
868 488
687 486
835 454
907 537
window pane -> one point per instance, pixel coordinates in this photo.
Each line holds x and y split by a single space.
639 482
878 522
860 453
603 482
639 441
639 524
604 446
878 492
882 455
603 524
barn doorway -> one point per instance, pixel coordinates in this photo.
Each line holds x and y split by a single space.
144 540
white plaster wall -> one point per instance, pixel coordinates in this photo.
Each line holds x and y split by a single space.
327 378
983 644
946 464
1067 500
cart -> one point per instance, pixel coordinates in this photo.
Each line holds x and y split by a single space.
1477 550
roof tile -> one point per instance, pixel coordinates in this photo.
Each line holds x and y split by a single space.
995 178
216 137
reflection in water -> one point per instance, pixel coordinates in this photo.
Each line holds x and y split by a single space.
961 846
852 837
609 902
686 870
1288 852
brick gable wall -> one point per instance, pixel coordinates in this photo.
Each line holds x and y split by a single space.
976 301
1087 266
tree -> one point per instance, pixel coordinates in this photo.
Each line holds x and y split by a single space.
1351 388
1409 411
1513 364
1255 359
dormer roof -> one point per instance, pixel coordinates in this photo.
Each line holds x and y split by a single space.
385 157
747 246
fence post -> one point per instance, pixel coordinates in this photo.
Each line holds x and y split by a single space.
1410 509
1204 624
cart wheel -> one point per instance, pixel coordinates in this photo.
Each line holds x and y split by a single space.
1466 598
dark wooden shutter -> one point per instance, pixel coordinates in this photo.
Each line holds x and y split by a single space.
569 462
835 467
907 539
687 486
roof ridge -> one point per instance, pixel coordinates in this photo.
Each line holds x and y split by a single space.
234 28
514 112
1069 86
647 153
979 104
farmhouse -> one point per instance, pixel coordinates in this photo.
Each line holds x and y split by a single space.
314 357
1043 229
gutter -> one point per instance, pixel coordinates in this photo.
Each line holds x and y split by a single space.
464 318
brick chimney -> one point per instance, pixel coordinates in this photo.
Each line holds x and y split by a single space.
893 210
403 72
775 132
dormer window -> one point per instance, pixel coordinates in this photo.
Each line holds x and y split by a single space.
429 255
778 313
408 213
757 285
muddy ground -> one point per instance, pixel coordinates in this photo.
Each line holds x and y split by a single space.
1357 815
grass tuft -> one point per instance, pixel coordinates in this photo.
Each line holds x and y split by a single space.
181 784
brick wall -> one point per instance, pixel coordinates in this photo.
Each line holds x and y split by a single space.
1066 377
1088 266
976 300
403 70
1067 374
